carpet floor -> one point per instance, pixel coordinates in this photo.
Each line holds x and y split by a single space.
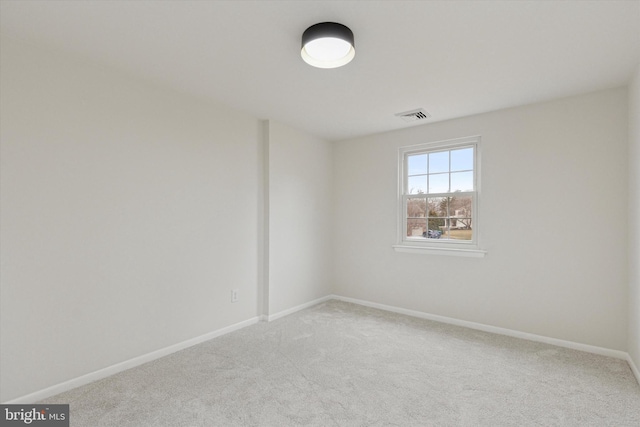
341 364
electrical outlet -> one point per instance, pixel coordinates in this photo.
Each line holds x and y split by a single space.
234 295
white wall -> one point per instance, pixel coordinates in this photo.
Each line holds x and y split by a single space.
128 215
300 209
554 223
129 212
634 218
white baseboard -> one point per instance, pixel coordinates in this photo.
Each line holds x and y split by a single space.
292 310
127 364
493 329
633 367
136 361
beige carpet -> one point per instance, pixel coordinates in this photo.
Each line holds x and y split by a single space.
339 364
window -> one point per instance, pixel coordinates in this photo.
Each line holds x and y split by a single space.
438 197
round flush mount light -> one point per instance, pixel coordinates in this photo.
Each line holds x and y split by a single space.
327 45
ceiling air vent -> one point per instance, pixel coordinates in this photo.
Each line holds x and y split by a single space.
414 115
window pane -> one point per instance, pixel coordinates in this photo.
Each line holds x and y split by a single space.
439 162
439 183
460 206
416 208
462 181
437 213
458 234
417 184
462 159
417 165
416 227
460 220
438 207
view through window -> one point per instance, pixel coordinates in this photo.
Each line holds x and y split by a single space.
439 192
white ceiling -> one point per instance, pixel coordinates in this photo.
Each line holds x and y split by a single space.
453 58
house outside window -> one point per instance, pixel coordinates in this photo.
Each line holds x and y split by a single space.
438 197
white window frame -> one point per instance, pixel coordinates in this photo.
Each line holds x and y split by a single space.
436 246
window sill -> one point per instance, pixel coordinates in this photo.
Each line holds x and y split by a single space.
422 250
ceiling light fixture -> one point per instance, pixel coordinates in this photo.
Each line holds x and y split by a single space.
327 45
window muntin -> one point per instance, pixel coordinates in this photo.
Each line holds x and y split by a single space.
439 194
